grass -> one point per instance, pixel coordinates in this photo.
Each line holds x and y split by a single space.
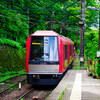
77 67
22 99
13 88
13 72
77 64
63 92
8 76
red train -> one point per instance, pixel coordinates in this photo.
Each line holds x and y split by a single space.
48 56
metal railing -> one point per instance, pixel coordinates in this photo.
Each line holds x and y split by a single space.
91 67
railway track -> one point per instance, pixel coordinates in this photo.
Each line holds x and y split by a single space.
8 74
10 87
11 78
24 94
27 92
10 83
33 94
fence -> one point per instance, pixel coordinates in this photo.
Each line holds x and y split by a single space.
92 67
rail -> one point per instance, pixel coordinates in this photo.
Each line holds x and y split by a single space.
11 78
5 90
33 94
24 94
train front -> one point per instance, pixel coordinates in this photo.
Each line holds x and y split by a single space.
42 58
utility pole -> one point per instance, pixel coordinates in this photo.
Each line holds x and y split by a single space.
82 31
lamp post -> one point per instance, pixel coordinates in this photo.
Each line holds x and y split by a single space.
98 52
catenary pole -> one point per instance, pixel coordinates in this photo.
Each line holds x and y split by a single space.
82 31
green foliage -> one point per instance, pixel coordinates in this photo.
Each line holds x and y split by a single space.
12 43
13 25
65 13
11 59
9 42
91 43
97 67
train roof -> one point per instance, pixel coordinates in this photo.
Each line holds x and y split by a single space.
70 40
52 33
45 33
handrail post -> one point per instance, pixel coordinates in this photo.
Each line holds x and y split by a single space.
94 68
88 65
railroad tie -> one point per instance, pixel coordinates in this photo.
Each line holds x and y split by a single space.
35 98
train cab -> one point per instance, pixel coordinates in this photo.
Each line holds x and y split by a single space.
48 56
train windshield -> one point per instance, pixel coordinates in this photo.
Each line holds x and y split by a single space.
44 50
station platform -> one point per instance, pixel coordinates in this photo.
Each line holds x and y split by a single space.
76 85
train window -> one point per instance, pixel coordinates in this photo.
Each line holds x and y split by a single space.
65 52
44 50
73 48
66 56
